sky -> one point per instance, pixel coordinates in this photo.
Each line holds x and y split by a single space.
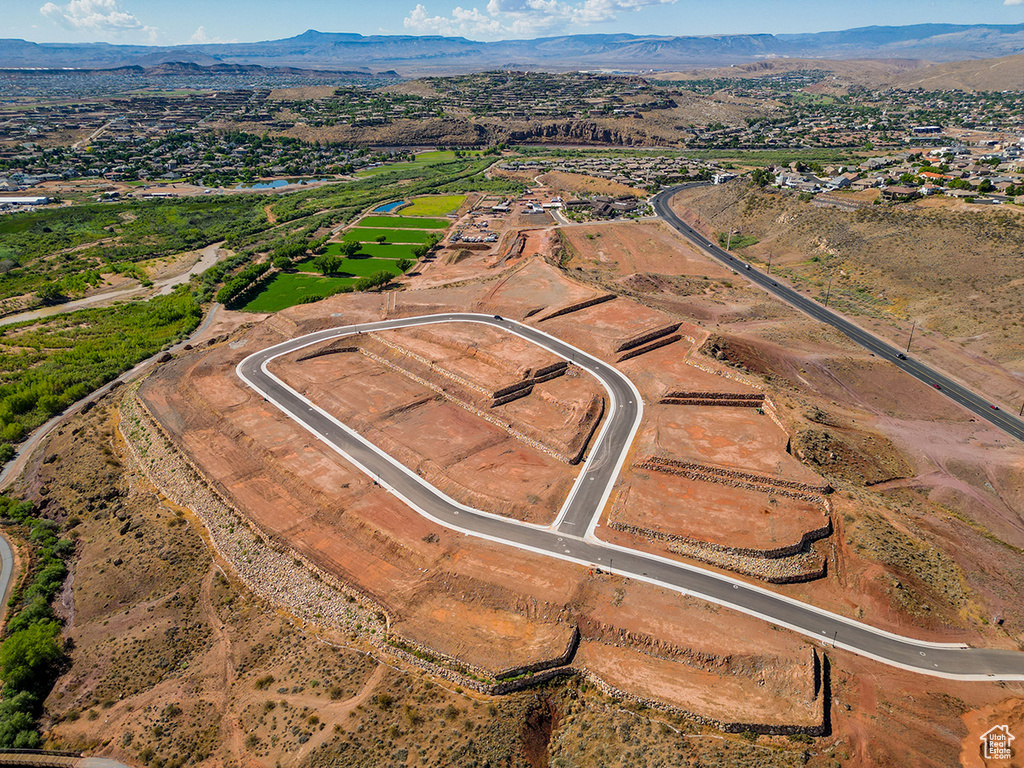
159 22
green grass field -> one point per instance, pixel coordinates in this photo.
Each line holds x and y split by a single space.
357 267
287 288
433 205
377 250
369 235
400 222
424 158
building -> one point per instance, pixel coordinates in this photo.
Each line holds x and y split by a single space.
11 201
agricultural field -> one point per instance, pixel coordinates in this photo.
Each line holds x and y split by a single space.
355 267
433 205
424 158
370 235
377 250
403 222
304 282
287 289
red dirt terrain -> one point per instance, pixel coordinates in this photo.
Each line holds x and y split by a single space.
769 448
511 610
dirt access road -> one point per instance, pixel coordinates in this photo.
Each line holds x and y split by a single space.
207 258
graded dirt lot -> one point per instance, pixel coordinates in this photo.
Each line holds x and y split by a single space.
626 248
427 577
579 183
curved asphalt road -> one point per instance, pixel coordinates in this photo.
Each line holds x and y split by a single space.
958 393
571 536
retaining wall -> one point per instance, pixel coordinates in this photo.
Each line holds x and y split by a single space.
642 339
662 342
578 306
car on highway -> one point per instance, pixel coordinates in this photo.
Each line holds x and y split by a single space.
994 407
936 386
748 266
901 356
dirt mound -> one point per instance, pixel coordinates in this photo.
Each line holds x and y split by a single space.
855 456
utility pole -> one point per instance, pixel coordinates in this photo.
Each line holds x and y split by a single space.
1021 409
828 291
912 327
769 262
728 243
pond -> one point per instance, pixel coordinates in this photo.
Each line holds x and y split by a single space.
276 183
389 207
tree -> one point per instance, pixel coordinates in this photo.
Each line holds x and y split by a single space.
30 659
18 722
50 293
762 177
382 239
350 248
327 264
404 264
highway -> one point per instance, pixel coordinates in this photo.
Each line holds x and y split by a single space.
1007 422
572 536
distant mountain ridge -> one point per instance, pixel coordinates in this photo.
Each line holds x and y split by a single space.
423 55
189 68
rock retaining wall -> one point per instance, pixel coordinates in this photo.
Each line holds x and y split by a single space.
638 341
819 729
769 554
662 342
750 480
578 306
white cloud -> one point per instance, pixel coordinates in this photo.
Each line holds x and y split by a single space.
200 37
96 16
514 18
1013 2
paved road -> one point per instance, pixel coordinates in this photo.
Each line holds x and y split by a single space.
571 537
958 393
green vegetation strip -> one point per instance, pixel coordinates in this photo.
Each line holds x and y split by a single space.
32 656
69 247
402 222
48 364
369 235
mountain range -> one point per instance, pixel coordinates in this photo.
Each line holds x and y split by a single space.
413 55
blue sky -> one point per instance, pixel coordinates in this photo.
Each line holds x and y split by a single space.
182 21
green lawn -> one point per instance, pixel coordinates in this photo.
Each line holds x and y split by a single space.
287 288
400 222
357 267
378 250
424 158
433 205
370 235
